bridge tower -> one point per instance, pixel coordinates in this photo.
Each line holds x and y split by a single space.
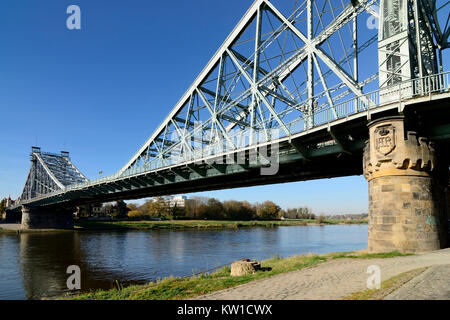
406 49
407 189
49 172
407 178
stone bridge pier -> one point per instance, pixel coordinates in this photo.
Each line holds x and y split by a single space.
407 189
46 218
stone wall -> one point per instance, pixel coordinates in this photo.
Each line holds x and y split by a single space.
45 218
405 213
407 190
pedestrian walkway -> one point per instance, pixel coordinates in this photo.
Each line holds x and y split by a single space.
339 278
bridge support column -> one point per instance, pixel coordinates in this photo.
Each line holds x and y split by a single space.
38 218
407 190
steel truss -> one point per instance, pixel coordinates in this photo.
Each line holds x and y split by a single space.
50 172
410 41
268 76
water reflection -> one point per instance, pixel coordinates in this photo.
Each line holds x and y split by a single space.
34 265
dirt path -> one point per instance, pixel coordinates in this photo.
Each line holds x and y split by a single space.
331 280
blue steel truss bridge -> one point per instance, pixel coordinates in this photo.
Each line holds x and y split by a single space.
286 97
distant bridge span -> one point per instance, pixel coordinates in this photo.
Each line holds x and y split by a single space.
290 98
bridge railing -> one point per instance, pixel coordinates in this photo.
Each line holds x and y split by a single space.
370 101
384 96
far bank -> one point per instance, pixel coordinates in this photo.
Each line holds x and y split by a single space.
202 224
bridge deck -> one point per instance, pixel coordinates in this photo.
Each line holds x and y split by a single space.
331 149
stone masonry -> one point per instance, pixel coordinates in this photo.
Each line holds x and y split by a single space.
407 190
44 218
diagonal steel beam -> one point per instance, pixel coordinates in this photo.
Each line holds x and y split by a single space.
325 86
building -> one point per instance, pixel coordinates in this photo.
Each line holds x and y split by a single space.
173 201
98 210
177 201
90 210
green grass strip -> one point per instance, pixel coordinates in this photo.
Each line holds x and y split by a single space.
386 287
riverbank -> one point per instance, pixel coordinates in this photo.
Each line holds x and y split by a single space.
202 224
220 281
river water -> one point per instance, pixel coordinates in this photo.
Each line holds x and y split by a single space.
33 266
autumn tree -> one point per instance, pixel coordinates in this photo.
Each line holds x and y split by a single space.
213 209
132 207
158 208
268 210
238 210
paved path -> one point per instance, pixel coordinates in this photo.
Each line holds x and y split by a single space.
330 280
433 284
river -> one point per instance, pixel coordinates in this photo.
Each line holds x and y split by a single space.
34 265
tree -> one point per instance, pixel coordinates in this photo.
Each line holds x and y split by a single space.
268 210
248 210
121 208
158 208
135 214
132 207
214 209
321 218
177 212
144 208
238 210
2 206
195 207
232 209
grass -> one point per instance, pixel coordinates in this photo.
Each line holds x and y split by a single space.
386 287
382 255
173 288
196 224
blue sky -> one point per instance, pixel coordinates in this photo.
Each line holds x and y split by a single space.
99 92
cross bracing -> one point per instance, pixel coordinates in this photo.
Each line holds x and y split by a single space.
50 172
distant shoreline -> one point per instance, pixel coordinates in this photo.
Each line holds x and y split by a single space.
203 224
129 225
